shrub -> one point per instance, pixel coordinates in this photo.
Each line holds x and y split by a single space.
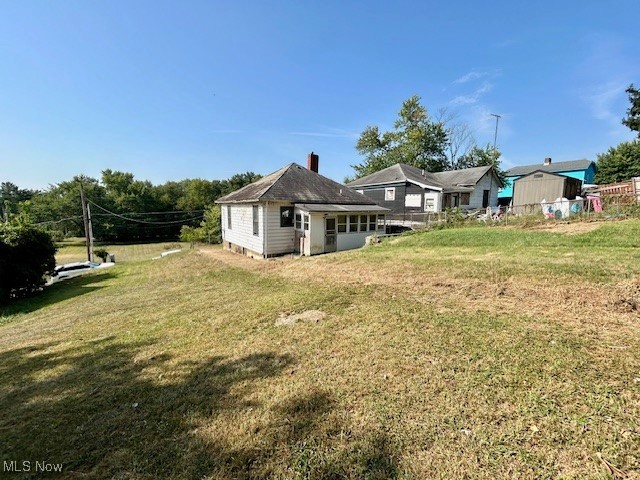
27 254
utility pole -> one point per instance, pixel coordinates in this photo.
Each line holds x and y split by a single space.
87 224
495 137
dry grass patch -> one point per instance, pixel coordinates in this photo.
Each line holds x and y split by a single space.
436 358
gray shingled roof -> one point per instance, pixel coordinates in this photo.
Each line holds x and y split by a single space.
296 184
553 167
401 172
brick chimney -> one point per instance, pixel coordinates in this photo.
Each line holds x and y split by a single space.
312 162
547 161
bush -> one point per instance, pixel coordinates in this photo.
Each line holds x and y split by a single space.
27 254
101 253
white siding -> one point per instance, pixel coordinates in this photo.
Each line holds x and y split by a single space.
279 239
487 182
241 231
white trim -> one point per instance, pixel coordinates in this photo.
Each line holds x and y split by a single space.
423 185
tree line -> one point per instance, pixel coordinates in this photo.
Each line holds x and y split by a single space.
122 208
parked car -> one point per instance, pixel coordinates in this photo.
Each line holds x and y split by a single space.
76 268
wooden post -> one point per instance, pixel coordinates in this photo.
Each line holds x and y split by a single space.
85 218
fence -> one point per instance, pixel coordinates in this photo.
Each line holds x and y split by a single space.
618 205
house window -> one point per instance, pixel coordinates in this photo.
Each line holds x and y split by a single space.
342 223
390 194
372 223
353 223
256 220
306 222
381 222
229 217
363 223
298 221
465 198
429 204
286 216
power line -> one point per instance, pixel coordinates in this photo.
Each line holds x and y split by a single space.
173 222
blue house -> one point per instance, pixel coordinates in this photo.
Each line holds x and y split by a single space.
583 170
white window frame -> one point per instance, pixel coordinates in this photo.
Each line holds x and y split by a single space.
390 194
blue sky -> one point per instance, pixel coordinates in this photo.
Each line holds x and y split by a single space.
173 90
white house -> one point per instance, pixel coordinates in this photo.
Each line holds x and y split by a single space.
295 209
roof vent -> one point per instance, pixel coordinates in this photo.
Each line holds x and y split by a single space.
547 161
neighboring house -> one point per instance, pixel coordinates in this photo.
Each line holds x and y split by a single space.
295 209
405 189
529 190
583 170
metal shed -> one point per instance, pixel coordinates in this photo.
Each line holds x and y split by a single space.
531 189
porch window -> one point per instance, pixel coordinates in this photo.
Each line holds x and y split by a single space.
286 216
298 221
256 220
229 217
372 223
390 194
464 198
353 223
363 223
381 222
306 222
342 223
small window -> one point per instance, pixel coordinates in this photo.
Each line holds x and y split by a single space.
353 223
381 222
429 204
298 221
342 223
390 194
372 223
537 175
286 216
465 198
229 217
306 222
256 220
363 223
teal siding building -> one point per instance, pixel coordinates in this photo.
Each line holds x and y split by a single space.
583 170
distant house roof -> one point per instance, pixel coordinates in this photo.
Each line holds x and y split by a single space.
296 184
449 181
400 172
552 167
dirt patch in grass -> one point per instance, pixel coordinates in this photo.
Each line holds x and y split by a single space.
568 228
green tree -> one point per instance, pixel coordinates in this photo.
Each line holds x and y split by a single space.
415 140
633 113
10 198
619 163
483 157
27 254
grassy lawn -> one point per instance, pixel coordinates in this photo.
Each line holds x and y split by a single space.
465 353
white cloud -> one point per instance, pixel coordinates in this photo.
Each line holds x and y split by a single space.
472 75
604 100
474 97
